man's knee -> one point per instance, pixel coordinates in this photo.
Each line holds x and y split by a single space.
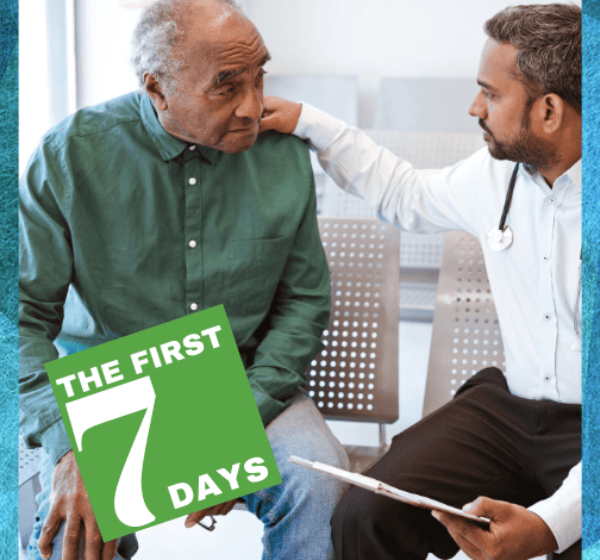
367 524
312 487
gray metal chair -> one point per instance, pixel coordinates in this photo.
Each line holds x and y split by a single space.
356 376
466 333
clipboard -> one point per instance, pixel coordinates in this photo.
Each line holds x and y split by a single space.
386 490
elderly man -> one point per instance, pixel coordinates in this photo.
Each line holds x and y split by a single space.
509 442
161 203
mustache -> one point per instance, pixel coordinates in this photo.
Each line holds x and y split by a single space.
485 128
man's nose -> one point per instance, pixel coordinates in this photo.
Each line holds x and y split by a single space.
251 106
478 107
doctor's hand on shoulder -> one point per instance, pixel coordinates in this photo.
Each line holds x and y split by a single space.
69 503
280 115
515 532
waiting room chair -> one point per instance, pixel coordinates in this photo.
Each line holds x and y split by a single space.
466 333
356 375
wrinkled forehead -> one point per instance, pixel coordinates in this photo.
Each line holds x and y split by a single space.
217 35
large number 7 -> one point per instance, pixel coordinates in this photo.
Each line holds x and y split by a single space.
105 406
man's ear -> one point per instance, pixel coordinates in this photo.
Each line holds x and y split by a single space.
551 112
155 91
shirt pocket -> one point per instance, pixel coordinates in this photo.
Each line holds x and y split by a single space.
255 269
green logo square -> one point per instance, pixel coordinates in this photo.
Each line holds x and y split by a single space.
163 423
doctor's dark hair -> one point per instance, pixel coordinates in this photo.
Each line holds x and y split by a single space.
154 36
548 39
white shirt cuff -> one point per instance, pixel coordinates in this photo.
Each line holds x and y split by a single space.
318 127
562 511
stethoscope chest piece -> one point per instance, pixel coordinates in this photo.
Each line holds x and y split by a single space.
499 239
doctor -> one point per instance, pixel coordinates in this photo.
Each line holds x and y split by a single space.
508 446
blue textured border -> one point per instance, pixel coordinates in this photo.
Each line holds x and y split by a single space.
9 165
591 277
9 263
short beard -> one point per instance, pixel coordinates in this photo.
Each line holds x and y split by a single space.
538 153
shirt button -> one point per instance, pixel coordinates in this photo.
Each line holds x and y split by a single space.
552 200
192 180
192 147
192 243
194 306
547 377
547 317
546 258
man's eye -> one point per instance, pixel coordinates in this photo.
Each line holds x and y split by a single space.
225 91
260 77
489 95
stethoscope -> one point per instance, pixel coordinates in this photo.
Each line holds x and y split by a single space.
501 238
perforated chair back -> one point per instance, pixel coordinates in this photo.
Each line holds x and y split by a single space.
466 333
425 150
356 376
426 104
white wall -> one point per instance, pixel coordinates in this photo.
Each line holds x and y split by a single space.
34 111
371 38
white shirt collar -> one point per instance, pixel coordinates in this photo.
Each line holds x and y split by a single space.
573 174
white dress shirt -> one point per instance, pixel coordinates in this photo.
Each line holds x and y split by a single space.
534 282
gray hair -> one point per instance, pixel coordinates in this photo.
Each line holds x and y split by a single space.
153 38
548 39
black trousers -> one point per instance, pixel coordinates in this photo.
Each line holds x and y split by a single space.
485 442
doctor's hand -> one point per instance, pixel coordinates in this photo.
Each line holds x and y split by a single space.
515 532
220 509
69 502
279 115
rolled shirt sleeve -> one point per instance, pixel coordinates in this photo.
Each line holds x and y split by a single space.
422 201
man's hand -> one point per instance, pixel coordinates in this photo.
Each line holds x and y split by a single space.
221 509
279 115
515 532
69 502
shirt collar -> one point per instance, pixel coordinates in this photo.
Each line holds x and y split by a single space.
168 146
573 174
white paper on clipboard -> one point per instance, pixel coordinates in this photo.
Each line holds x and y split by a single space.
386 490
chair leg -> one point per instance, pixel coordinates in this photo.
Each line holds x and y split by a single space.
383 445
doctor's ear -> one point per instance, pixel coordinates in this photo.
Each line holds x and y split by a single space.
155 91
550 109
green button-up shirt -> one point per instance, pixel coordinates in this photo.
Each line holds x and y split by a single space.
124 227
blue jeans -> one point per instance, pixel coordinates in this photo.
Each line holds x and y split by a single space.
296 513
